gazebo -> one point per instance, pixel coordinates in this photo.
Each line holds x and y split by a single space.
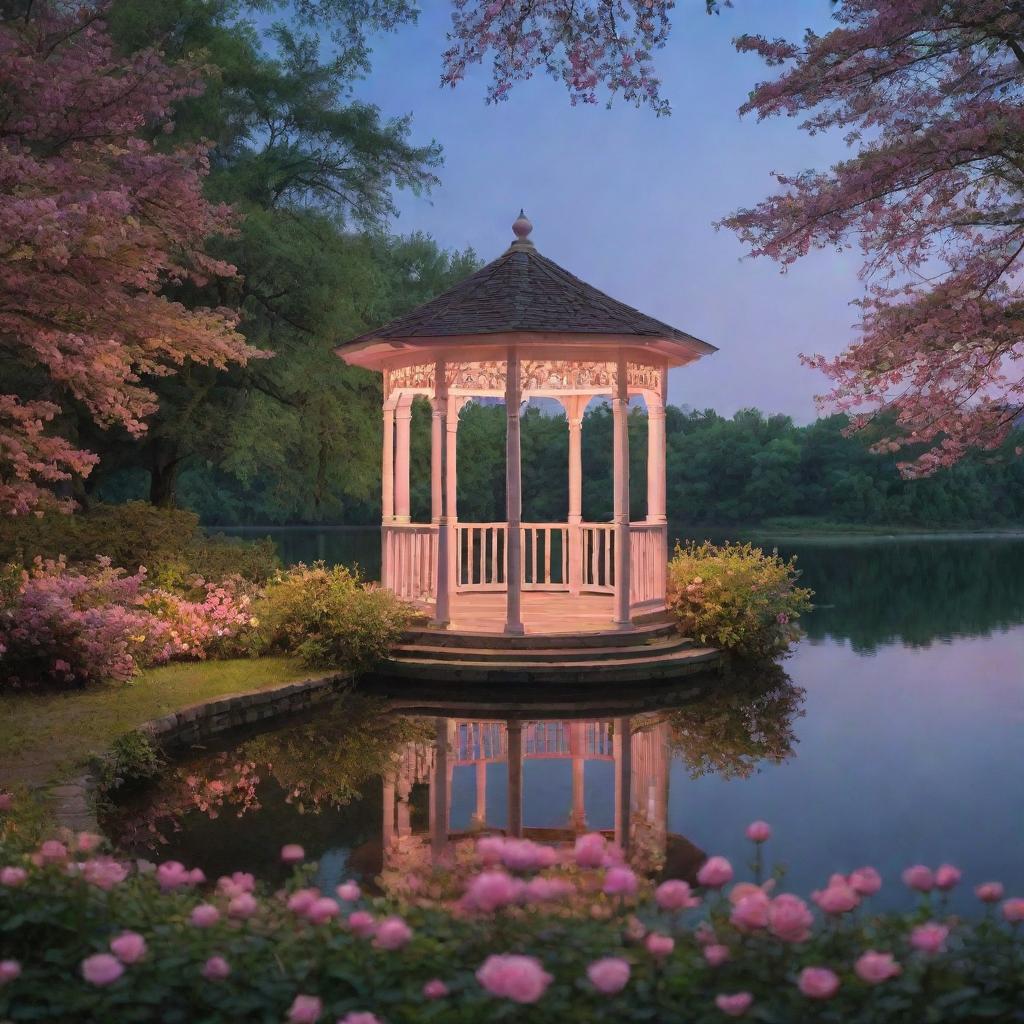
522 327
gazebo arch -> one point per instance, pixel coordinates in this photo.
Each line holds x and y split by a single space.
523 327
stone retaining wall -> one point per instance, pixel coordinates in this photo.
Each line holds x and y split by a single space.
73 800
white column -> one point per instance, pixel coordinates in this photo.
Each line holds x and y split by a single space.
439 493
403 420
451 486
387 490
620 471
574 406
655 459
513 496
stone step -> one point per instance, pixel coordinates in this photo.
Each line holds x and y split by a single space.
456 637
632 651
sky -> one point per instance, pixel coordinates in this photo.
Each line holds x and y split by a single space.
626 200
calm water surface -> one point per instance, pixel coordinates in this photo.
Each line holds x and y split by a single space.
894 734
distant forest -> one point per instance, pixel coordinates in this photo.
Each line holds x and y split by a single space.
747 469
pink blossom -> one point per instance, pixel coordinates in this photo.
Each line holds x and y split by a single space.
609 974
216 969
9 970
302 899
435 989
236 884
947 876
920 878
6 802
989 892
53 852
704 933
716 954
242 906
818 983
305 1010
359 1017
519 978
789 918
173 875
322 910
392 933
12 877
734 1005
839 897
930 937
526 855
292 853
865 881
546 890
635 929
658 945
128 947
715 872
101 969
348 892
589 850
493 889
86 842
742 889
619 881
874 968
489 849
1013 910
751 912
362 923
759 831
204 915
675 895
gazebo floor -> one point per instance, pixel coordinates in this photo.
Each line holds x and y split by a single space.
543 612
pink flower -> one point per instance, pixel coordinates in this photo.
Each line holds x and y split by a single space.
619 881
759 831
589 850
101 969
818 983
302 899
989 892
292 853
790 919
322 910
865 881
236 884
715 872
609 974
392 933
9 970
242 906
526 855
675 895
519 978
920 878
216 969
435 989
717 954
546 890
128 947
658 945
751 911
362 923
929 938
838 898
204 915
359 1017
86 842
734 1005
348 891
53 852
1013 910
174 875
705 934
493 889
6 802
635 929
103 872
305 1010
12 877
946 877
874 968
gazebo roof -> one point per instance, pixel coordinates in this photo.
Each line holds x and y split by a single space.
521 292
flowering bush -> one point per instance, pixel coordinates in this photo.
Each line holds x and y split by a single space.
330 617
534 933
737 597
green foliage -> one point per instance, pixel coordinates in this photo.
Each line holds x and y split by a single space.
737 597
330 618
131 760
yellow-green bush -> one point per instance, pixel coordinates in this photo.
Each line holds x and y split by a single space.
330 617
737 597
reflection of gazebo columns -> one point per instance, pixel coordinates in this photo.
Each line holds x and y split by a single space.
622 747
578 750
514 735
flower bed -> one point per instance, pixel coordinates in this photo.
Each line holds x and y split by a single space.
508 930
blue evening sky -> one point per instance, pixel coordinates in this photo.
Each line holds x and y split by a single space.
626 200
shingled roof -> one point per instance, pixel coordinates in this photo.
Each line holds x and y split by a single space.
523 291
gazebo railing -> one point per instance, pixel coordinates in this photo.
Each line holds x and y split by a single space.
598 558
648 561
410 560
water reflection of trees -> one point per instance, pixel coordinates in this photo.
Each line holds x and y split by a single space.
912 592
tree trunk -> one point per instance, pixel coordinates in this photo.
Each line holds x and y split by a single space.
163 473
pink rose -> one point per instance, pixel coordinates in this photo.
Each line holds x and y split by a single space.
53 852
102 969
675 895
545 890
759 831
865 881
929 938
658 945
635 929
734 1005
9 970
236 884
305 1010
818 983
874 968
609 974
216 969
1013 910
989 892
715 872
242 906
204 915
519 978
86 842
302 899
751 911
348 891
435 989
322 910
359 1017
128 947
362 923
292 853
589 850
173 875
103 872
526 855
619 881
790 919
838 898
716 954
489 849
12 877
946 877
920 878
493 889
392 933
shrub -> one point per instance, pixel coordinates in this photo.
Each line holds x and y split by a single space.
330 617
132 759
737 597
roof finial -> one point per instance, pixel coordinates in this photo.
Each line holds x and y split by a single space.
521 228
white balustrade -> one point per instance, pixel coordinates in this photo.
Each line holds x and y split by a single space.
481 556
648 563
410 560
599 557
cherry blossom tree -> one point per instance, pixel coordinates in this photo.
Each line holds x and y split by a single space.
97 222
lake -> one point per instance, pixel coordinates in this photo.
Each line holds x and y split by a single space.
893 735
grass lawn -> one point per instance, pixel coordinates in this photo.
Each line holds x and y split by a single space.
43 736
